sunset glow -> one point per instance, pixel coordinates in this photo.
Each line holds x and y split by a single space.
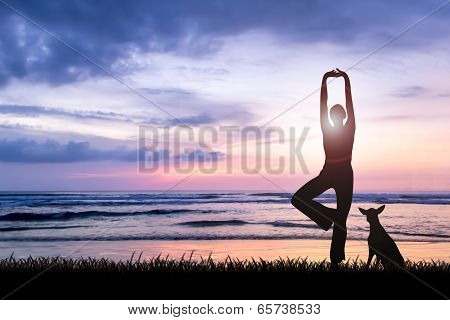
207 75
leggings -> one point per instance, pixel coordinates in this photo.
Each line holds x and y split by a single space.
333 176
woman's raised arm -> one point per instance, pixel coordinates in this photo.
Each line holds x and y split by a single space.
348 99
324 119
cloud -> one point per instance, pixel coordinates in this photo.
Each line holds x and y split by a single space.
110 33
222 112
409 92
194 120
199 155
50 151
171 91
36 111
444 95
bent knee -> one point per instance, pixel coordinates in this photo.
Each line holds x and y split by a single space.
298 198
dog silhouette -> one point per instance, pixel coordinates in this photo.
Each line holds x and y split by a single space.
380 243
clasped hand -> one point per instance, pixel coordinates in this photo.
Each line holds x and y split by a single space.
335 74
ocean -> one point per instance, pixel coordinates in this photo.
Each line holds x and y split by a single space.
29 218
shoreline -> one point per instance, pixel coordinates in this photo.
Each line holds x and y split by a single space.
313 249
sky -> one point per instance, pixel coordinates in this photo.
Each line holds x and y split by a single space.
79 78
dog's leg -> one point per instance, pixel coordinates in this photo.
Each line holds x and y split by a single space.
369 260
377 261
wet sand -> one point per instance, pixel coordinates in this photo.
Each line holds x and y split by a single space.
219 249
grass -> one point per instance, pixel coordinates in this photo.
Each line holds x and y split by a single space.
167 278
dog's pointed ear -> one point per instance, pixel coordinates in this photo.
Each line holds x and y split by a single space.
364 212
380 209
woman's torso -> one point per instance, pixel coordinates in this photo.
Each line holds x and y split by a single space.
338 144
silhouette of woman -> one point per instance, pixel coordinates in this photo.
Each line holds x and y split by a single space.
337 172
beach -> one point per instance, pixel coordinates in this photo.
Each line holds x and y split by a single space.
241 224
